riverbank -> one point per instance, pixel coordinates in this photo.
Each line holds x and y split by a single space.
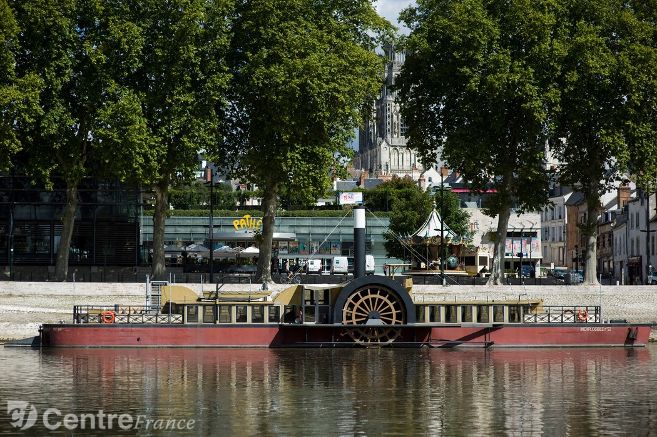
26 305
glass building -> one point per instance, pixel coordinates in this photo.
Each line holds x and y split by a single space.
295 238
106 228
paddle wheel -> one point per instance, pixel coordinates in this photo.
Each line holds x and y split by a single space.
378 312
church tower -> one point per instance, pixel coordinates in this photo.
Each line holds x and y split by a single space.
382 141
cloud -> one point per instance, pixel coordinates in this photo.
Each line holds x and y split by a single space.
390 9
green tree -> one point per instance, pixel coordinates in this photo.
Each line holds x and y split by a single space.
67 43
19 95
477 84
384 196
196 195
301 71
176 86
607 123
410 207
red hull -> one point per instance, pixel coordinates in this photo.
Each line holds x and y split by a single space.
516 335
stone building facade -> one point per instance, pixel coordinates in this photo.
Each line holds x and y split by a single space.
382 141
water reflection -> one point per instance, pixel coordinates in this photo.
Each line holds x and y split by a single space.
346 392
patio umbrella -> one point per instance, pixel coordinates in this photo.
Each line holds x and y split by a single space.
250 252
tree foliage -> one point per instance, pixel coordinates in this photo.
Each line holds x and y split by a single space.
170 97
67 44
196 195
409 207
19 94
301 71
606 125
477 85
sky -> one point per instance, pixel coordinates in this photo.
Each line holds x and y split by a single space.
391 9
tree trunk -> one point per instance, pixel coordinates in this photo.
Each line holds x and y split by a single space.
68 224
497 270
590 232
269 203
158 268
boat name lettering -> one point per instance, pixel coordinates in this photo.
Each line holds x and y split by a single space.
247 222
595 329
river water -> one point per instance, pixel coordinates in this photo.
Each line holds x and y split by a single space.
334 392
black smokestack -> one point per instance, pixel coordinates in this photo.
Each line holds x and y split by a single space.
359 241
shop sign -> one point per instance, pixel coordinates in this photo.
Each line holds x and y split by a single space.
247 223
351 198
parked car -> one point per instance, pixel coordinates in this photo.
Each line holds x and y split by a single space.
314 266
574 277
559 273
527 271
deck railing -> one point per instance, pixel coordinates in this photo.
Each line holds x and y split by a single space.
143 314
565 314
121 314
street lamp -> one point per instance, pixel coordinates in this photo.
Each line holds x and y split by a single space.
444 171
209 174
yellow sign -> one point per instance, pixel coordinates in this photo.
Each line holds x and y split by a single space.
247 222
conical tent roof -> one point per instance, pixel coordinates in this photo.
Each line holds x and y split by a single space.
431 227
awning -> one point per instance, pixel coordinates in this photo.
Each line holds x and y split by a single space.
431 228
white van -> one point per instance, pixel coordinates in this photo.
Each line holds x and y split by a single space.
340 265
369 265
314 266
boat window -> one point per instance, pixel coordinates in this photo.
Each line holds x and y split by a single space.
309 313
290 314
450 313
323 314
224 314
434 313
192 314
240 313
208 314
514 313
309 296
323 297
466 313
257 314
483 314
420 312
274 315
498 313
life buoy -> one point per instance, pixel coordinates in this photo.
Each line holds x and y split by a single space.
107 317
582 315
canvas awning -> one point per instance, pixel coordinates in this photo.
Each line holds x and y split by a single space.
250 251
431 228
